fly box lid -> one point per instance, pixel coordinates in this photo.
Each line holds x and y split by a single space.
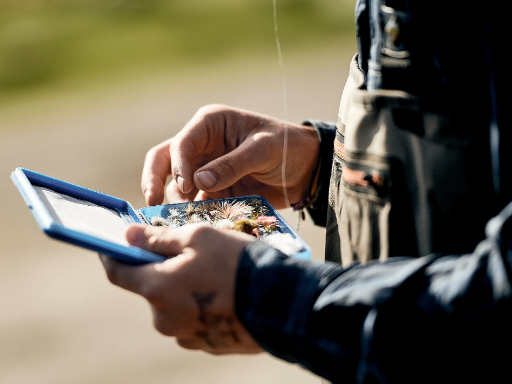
97 221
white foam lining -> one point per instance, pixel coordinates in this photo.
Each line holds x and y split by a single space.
83 216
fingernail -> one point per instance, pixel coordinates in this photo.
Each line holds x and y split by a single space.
180 182
207 178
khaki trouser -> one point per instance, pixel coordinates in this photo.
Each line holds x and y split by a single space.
410 176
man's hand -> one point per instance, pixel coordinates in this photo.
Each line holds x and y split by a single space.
192 293
225 152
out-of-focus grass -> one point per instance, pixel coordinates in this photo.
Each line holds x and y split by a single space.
48 42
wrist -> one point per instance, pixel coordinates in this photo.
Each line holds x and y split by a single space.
310 194
319 187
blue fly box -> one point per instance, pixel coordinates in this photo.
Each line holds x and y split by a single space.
97 221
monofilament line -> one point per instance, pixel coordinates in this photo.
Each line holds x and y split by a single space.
285 111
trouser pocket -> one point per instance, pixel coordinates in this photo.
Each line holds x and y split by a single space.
360 199
408 180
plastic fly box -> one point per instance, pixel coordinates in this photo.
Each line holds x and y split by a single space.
97 221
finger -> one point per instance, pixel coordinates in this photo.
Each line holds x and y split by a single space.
203 135
174 194
167 322
157 167
188 144
250 157
183 151
190 343
223 194
125 276
164 241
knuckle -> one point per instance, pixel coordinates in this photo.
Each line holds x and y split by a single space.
162 324
175 144
186 142
211 109
112 275
158 297
187 343
265 140
195 236
110 269
199 231
152 295
152 241
153 152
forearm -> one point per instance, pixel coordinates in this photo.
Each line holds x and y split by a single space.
275 296
388 320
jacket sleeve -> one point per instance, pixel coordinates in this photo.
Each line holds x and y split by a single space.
326 133
437 318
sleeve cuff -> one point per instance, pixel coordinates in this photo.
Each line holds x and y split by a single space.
274 298
327 133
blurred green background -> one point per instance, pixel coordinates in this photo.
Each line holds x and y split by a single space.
86 88
59 43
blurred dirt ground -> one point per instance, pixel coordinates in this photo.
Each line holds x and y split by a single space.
60 320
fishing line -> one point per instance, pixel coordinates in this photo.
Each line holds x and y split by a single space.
285 111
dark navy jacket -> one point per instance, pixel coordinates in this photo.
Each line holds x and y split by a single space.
438 318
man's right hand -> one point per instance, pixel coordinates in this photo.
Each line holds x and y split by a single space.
224 152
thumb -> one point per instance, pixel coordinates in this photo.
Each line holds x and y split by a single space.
163 241
226 170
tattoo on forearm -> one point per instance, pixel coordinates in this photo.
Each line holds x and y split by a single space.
218 328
